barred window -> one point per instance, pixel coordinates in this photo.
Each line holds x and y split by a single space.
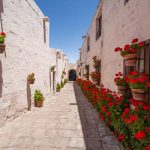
142 65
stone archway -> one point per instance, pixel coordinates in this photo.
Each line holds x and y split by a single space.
72 75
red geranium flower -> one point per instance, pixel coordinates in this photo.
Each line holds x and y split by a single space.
121 137
148 84
3 34
146 107
139 135
135 40
141 44
147 147
127 47
147 129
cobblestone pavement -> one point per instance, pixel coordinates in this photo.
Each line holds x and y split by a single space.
66 122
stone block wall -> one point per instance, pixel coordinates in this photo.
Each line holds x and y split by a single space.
25 53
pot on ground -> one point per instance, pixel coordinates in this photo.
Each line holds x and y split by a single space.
122 89
38 103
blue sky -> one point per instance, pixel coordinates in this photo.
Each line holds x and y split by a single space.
69 21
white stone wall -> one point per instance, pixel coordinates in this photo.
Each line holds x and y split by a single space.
121 23
95 45
61 66
26 52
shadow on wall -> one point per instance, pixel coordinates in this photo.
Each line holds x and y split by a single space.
29 96
1 11
1 79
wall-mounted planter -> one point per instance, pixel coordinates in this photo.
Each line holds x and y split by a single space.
122 89
31 78
2 47
130 59
138 94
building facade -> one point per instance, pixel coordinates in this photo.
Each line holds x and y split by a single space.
27 51
114 24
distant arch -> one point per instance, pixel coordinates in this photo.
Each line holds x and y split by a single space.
72 75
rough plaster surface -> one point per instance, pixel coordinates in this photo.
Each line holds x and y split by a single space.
26 52
120 24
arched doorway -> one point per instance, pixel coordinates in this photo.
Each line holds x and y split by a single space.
72 75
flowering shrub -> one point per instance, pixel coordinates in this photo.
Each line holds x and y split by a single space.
132 127
129 49
2 37
137 80
95 75
120 80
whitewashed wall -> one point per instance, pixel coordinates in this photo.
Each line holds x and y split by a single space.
26 52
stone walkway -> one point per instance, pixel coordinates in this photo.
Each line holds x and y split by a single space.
66 122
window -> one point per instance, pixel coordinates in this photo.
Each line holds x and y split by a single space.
87 72
44 29
143 64
88 43
125 1
98 27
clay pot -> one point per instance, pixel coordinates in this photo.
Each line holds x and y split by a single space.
96 82
130 59
122 89
38 103
2 47
31 80
138 94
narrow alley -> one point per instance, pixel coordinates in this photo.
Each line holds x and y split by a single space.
66 122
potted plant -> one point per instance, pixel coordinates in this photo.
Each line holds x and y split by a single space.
58 87
31 78
138 83
38 98
129 52
95 77
2 42
52 68
95 61
121 83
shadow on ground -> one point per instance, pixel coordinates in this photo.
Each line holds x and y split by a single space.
97 135
89 119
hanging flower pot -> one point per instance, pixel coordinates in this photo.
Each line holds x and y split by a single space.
31 78
121 83
138 84
129 52
130 59
138 94
2 47
2 42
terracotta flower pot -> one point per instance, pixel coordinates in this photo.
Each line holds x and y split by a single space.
38 103
130 59
2 47
96 82
58 90
31 80
138 94
122 89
